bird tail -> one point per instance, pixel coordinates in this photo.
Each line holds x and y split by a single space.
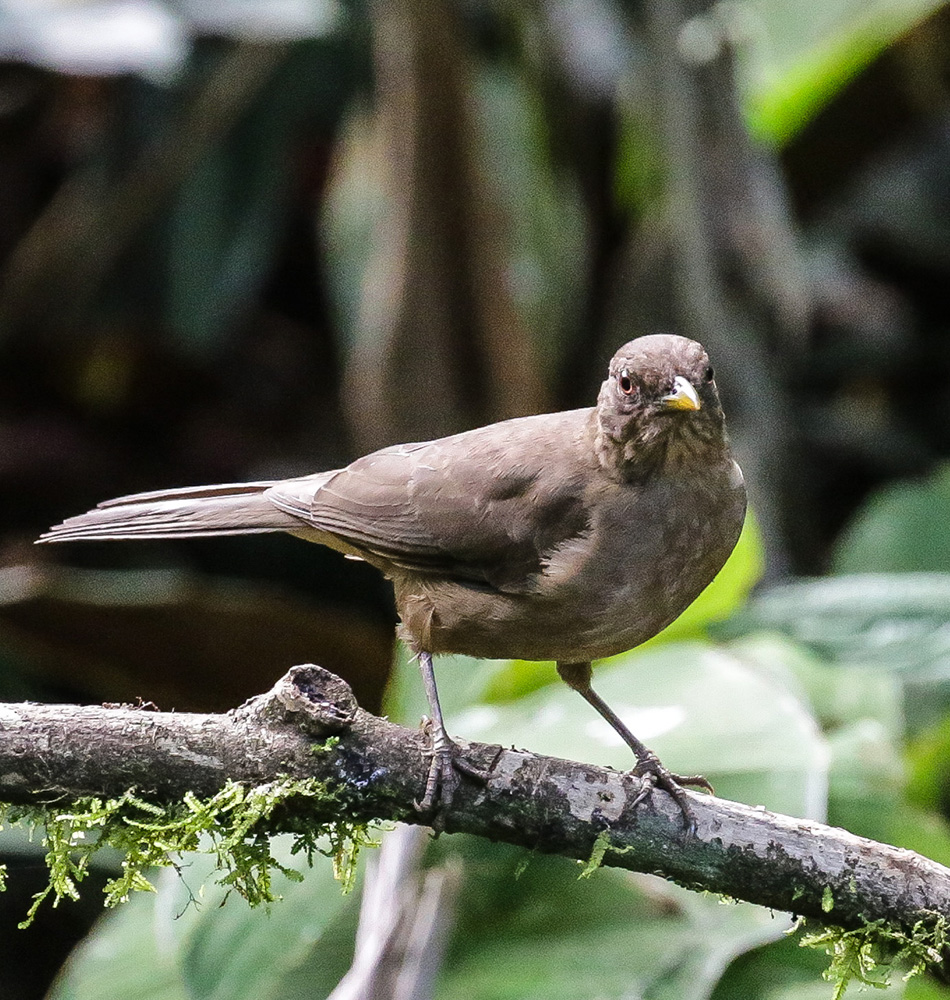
228 509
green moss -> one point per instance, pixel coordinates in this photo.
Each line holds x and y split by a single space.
235 826
522 866
597 853
325 747
869 954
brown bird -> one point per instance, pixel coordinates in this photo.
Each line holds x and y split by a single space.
566 536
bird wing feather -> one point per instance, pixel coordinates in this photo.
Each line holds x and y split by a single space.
481 513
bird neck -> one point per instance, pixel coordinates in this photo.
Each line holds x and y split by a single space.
635 451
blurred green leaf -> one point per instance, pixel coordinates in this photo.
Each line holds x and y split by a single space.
793 64
842 695
900 528
898 622
869 796
540 932
928 757
123 957
861 709
925 988
735 713
639 181
739 713
184 943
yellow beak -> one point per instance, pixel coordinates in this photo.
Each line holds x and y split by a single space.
683 396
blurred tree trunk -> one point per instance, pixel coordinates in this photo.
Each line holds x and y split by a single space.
440 345
721 263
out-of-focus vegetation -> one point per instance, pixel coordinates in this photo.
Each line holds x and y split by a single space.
248 240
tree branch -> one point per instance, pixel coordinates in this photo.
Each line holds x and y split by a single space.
55 753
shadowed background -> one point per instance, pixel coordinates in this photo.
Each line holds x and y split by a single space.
257 241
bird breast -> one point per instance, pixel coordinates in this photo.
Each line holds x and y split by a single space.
648 552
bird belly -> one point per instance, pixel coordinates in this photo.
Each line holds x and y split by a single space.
595 599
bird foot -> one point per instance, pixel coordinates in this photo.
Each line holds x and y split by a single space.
653 774
445 766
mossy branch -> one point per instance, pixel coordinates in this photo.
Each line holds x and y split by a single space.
358 768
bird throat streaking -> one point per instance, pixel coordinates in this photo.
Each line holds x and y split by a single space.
567 536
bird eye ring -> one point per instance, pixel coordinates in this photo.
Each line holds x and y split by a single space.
709 374
626 383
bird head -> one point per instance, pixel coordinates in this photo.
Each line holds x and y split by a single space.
659 403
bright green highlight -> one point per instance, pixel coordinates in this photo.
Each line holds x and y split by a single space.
784 97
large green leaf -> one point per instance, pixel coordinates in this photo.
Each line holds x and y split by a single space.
736 713
896 620
529 928
890 670
868 793
844 694
867 796
897 623
123 956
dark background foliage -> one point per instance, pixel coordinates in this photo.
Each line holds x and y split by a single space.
257 242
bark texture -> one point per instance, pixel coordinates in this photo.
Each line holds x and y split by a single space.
55 753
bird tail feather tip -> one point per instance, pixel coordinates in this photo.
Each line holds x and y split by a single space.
197 511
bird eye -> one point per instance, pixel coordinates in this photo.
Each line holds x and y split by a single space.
626 383
709 374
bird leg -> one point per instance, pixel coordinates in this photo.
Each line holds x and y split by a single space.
649 767
447 759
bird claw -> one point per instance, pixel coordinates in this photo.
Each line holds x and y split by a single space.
445 766
653 774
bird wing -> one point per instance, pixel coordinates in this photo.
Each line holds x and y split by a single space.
485 507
